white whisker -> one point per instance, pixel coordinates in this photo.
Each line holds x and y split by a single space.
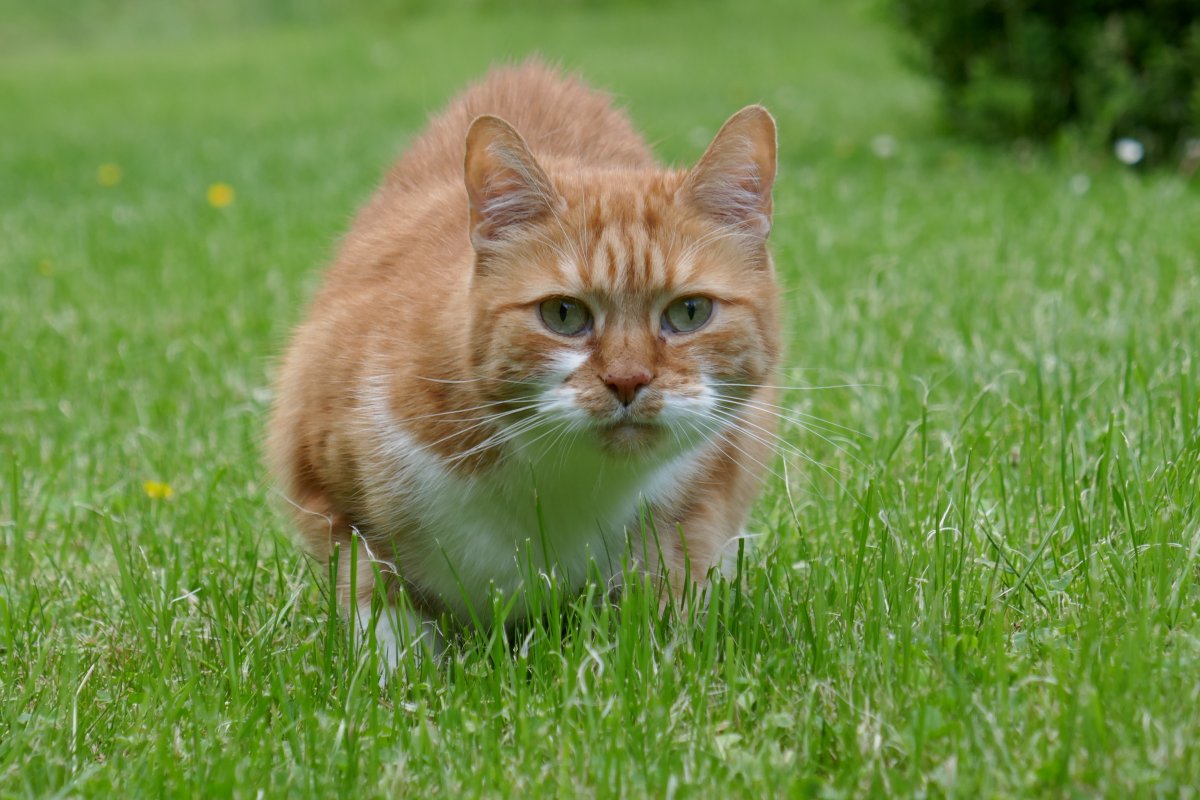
739 424
825 424
803 426
477 380
486 420
717 433
736 423
802 388
529 401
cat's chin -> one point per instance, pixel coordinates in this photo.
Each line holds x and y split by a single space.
631 439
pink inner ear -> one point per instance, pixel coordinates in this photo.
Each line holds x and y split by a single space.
732 183
735 198
505 186
510 196
734 194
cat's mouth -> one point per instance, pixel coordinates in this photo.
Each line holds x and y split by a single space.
628 436
629 426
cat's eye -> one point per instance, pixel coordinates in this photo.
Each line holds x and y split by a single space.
687 314
566 316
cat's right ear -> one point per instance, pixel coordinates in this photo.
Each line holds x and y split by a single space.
506 188
732 182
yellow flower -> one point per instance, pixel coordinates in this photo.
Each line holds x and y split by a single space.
158 490
220 195
46 267
109 174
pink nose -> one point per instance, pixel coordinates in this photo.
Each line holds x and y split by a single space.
625 386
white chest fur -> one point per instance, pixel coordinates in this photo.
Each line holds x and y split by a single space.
561 509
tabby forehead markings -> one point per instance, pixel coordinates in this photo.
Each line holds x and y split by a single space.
624 261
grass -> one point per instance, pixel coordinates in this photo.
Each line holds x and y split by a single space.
993 592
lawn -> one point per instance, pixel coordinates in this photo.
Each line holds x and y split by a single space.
989 588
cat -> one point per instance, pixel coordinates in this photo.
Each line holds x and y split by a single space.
534 340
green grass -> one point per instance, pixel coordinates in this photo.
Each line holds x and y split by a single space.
994 593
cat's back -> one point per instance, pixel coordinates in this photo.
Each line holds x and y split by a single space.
560 118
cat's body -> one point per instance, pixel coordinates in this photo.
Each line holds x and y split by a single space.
443 401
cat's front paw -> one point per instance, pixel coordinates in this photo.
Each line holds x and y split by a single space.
401 635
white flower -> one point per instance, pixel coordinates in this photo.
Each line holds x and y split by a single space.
884 145
1129 151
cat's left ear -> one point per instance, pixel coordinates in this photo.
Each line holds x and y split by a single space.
506 187
732 181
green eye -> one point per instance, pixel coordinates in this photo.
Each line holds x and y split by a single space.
687 314
565 316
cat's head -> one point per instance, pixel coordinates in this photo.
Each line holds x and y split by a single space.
634 307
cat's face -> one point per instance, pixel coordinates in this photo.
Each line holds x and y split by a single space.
635 310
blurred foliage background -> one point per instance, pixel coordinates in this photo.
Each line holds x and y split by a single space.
1104 70
1095 71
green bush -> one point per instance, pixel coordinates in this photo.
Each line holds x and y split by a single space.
1030 68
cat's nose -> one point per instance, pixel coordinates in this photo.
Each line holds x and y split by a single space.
625 384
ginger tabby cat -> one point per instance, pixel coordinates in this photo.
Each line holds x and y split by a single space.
534 339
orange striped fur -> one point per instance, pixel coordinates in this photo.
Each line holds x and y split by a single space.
428 399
